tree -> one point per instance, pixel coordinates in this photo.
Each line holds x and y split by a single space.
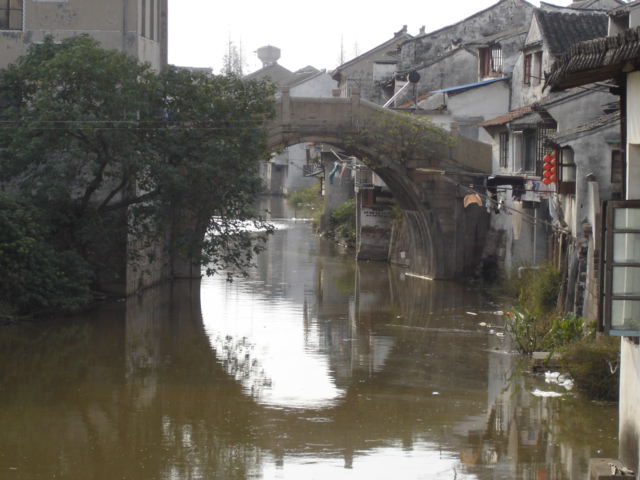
103 148
233 60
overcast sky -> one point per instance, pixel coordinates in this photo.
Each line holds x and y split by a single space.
200 30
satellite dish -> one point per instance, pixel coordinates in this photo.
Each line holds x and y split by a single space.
414 77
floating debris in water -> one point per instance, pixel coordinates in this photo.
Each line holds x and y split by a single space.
483 324
557 378
471 313
540 393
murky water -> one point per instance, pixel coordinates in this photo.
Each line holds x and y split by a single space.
314 367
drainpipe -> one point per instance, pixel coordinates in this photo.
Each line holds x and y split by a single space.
125 7
535 233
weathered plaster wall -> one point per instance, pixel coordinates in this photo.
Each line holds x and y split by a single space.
375 233
579 108
629 405
523 94
467 109
479 104
320 86
115 24
457 68
505 15
360 73
592 156
521 234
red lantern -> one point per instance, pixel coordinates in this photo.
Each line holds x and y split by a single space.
549 168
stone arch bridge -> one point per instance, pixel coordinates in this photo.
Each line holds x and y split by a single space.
427 177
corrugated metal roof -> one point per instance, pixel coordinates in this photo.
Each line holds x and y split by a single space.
468 86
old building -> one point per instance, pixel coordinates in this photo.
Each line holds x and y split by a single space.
283 173
484 45
372 71
534 219
462 108
616 59
138 28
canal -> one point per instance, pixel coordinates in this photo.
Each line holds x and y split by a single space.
313 367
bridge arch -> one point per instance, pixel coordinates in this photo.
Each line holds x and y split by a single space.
445 241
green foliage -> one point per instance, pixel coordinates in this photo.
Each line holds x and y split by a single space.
307 200
593 365
398 137
538 288
91 139
35 275
526 329
533 323
564 330
532 330
343 222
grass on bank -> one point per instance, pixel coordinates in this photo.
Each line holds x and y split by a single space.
307 202
536 323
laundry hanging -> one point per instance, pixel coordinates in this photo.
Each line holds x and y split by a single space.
332 173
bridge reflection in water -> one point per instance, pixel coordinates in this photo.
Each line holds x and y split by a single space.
313 367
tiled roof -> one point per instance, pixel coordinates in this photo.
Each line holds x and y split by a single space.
524 4
624 9
276 73
509 116
299 76
588 4
595 60
410 103
609 120
496 37
561 30
401 35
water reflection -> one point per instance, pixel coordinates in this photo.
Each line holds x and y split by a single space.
314 367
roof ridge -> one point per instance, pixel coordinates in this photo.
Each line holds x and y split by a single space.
472 16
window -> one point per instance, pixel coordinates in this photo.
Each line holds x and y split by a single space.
621 262
617 167
529 150
536 76
543 130
491 61
566 171
524 150
526 76
11 14
504 149
143 19
530 147
152 20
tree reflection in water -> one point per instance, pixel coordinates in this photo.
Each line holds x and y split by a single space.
290 374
